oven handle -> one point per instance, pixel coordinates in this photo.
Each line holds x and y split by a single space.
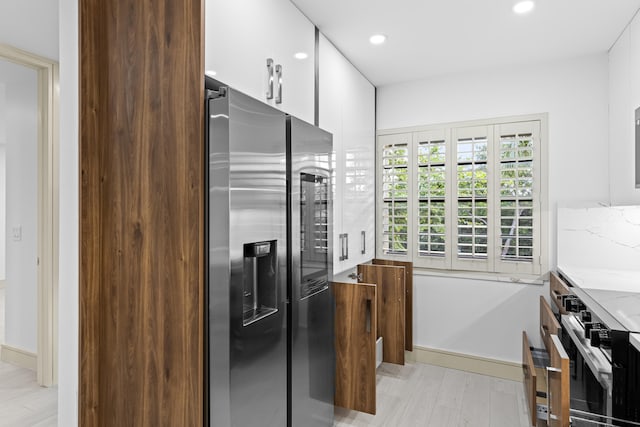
588 421
600 423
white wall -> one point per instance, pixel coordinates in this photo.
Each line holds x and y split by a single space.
457 314
624 98
3 208
3 201
478 317
21 121
69 220
33 25
30 25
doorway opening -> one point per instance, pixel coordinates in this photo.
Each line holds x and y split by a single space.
44 232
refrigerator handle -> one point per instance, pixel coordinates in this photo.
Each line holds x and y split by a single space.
269 78
279 82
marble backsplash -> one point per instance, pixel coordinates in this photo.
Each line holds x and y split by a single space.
599 237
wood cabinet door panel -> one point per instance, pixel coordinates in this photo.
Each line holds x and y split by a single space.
558 379
557 289
391 307
530 378
355 335
408 292
548 323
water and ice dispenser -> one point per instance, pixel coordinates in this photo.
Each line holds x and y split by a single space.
260 281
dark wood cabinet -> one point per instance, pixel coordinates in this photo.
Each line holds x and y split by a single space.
355 328
390 282
141 288
546 376
408 292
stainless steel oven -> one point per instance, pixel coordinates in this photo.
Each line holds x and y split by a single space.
605 364
591 369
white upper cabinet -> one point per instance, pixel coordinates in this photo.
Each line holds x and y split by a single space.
241 35
347 110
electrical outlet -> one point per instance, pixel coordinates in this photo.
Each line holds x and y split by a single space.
16 233
542 412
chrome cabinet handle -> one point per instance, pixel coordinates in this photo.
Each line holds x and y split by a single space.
269 78
363 236
346 245
279 82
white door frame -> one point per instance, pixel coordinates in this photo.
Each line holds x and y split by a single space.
48 217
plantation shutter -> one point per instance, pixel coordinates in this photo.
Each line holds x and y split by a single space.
472 229
432 210
394 201
518 201
464 196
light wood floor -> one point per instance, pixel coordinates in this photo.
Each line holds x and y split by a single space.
23 403
407 396
430 396
412 395
1 315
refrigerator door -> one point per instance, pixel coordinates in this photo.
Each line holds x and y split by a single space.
247 263
312 358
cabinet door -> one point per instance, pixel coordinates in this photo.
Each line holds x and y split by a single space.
355 328
347 110
332 67
358 145
549 325
530 379
558 379
391 307
558 288
240 36
408 303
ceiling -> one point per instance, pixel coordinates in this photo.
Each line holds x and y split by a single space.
428 37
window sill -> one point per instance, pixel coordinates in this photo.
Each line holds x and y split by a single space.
477 275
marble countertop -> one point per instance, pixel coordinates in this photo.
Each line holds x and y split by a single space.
616 291
600 278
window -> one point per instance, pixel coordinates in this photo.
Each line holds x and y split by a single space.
395 197
464 196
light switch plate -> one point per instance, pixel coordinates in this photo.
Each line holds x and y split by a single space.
16 233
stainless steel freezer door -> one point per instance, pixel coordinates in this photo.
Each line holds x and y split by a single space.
312 368
247 237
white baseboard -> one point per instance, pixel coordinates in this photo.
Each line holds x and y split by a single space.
18 357
465 362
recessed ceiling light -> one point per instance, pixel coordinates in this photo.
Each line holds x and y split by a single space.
377 39
523 7
301 55
210 73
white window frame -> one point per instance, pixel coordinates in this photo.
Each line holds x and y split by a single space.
493 267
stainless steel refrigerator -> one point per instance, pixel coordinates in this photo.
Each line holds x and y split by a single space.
311 331
270 359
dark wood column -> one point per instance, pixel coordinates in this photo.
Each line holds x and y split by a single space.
141 230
